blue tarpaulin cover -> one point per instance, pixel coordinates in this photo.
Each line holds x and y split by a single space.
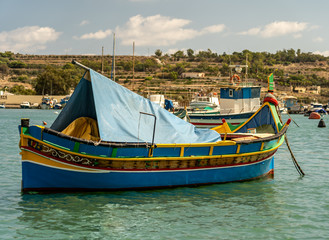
118 112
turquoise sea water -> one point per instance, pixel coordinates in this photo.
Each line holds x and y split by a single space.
286 207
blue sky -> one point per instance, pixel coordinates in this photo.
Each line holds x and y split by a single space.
84 26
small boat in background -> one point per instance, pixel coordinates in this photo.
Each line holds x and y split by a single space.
2 105
237 104
45 103
314 115
291 104
205 102
35 105
64 101
238 101
317 108
57 106
25 105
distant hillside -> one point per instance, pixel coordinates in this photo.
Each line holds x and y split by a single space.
47 74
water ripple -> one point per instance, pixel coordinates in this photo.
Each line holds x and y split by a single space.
287 207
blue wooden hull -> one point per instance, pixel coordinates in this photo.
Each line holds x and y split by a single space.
53 161
42 177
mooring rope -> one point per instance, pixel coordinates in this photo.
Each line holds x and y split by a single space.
298 168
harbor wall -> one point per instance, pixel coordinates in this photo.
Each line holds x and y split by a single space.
14 101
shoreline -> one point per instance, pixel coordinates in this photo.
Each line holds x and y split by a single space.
14 101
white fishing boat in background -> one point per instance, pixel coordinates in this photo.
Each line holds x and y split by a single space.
236 105
237 102
25 105
205 102
291 104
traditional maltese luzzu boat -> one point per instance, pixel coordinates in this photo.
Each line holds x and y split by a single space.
109 138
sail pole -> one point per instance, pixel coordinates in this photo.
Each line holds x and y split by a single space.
113 60
133 60
114 57
80 65
102 60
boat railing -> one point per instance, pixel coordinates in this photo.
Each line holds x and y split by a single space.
155 121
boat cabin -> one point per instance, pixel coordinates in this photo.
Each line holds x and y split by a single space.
239 99
202 102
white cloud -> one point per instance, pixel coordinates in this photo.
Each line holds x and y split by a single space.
84 22
160 30
97 35
213 29
27 39
276 29
173 50
324 53
318 40
251 31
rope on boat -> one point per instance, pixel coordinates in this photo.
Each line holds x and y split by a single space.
298 168
292 119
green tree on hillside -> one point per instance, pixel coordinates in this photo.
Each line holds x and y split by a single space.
56 81
178 55
190 53
17 64
4 70
158 53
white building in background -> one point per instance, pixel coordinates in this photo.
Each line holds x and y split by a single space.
193 75
311 89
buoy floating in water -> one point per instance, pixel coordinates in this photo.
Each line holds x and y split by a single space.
321 124
314 115
44 123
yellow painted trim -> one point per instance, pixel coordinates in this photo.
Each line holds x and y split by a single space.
211 150
22 137
262 146
34 157
150 152
238 149
156 158
220 143
181 152
276 124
